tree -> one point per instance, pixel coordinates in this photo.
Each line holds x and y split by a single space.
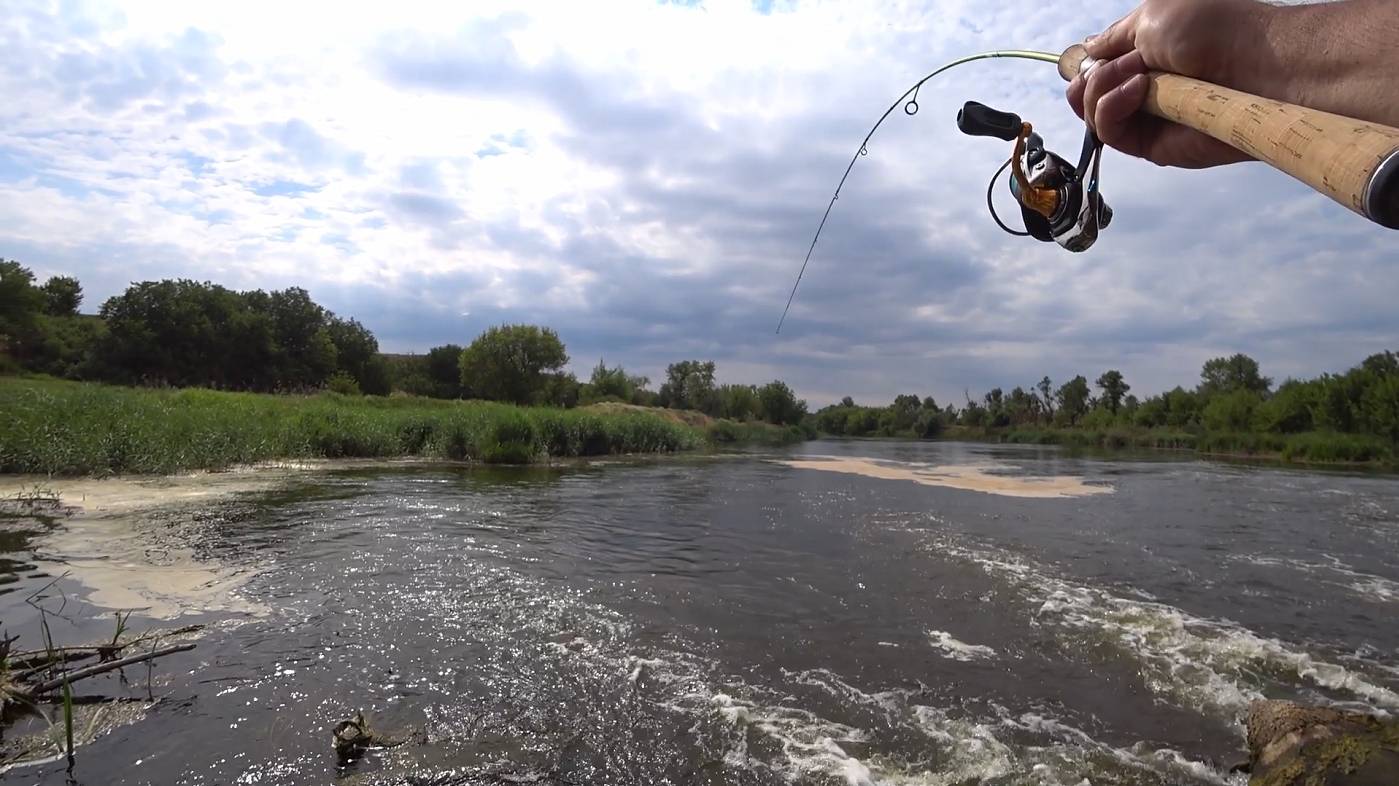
689 385
357 354
444 371
509 363
1231 411
904 412
847 402
1237 372
780 405
738 402
20 304
1073 399
1114 389
62 296
1046 389
616 383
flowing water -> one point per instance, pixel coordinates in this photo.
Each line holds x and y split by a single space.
846 612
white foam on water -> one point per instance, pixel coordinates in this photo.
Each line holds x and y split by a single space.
1365 585
1191 661
958 650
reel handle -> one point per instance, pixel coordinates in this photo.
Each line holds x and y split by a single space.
976 119
1352 161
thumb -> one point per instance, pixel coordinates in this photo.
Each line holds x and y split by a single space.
1116 41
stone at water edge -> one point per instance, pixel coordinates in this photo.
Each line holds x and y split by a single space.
1292 745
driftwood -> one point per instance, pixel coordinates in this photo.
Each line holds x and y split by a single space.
32 677
73 676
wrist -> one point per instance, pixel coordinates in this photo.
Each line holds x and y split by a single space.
1262 30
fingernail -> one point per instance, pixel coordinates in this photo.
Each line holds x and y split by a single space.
1090 39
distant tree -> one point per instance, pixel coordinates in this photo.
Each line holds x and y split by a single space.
616 383
1182 407
904 413
1114 388
1073 399
1231 411
1236 372
738 402
1381 405
780 405
62 296
357 354
559 389
444 371
20 304
689 385
847 402
509 363
1046 390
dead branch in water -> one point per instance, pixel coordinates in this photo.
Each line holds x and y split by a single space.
69 677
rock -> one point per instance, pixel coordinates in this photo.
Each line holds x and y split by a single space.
1292 745
351 737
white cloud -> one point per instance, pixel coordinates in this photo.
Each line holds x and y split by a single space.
645 177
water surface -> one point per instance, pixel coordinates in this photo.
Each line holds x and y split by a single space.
739 620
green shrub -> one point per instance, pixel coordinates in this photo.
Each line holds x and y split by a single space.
344 384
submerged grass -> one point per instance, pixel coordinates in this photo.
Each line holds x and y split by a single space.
69 428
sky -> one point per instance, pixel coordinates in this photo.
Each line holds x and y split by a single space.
645 178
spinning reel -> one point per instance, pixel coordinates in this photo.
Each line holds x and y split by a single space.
1058 201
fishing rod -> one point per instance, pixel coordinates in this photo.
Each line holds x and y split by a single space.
1354 162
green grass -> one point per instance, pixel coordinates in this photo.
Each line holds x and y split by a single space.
70 428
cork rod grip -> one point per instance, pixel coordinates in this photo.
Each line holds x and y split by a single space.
1352 161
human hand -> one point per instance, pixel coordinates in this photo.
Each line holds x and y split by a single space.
1205 39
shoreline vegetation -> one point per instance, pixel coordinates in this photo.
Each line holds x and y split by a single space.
62 428
177 374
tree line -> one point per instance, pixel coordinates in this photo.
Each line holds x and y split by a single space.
525 364
186 333
1232 396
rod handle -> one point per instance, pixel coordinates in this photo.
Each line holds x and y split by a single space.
1354 162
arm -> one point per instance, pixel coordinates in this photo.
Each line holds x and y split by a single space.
1338 57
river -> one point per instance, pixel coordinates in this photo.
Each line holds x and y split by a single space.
843 612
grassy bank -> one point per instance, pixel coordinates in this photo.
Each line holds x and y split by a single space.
1317 447
70 428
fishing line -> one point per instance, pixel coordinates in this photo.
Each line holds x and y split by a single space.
910 107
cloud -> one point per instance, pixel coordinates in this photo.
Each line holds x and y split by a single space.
647 181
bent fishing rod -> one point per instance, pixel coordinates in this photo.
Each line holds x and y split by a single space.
1354 162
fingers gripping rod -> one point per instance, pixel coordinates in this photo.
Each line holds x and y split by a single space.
1352 161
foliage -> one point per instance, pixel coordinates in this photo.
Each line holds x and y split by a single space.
1073 400
511 363
344 384
20 304
689 385
779 405
71 428
615 384
1114 389
1335 417
908 416
1227 375
62 296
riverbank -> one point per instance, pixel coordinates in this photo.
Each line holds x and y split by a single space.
54 427
1311 448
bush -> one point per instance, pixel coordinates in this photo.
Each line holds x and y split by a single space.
342 383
